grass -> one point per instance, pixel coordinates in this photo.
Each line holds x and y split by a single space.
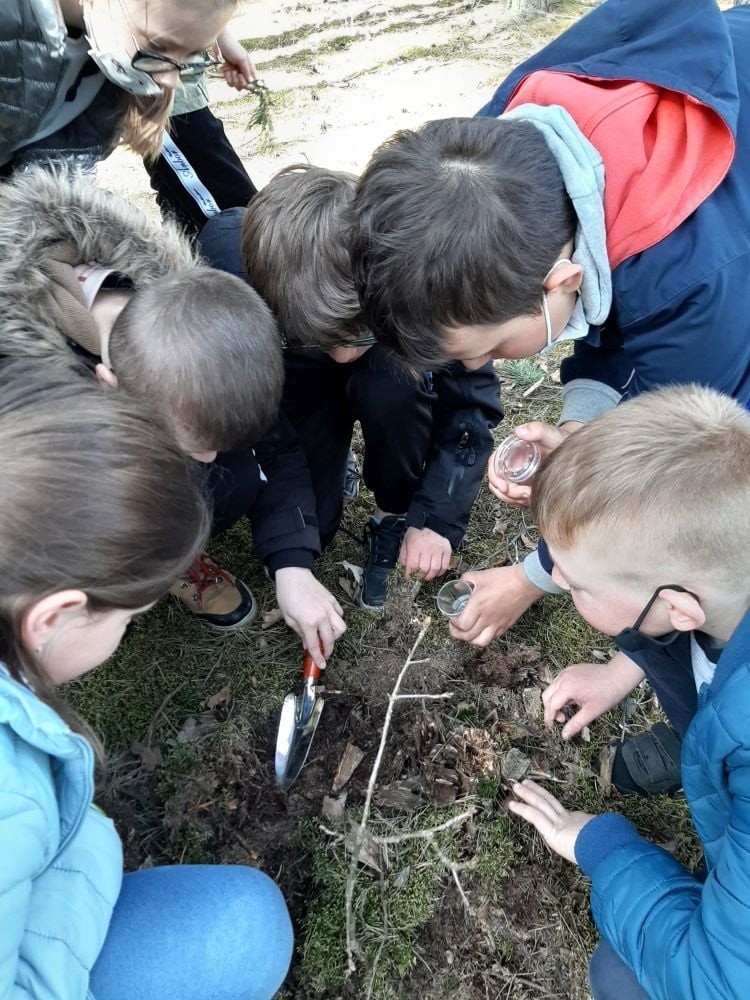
531 929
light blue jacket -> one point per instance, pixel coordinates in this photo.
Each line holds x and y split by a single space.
60 858
684 938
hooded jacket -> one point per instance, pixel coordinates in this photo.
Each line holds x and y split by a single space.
40 208
662 90
32 67
60 858
684 937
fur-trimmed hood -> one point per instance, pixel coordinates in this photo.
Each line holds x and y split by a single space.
41 207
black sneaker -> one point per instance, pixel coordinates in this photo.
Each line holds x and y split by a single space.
384 540
351 478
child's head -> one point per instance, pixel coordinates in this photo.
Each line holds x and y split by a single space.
201 349
295 252
456 227
654 492
99 515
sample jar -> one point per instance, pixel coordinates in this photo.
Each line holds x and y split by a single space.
453 597
517 460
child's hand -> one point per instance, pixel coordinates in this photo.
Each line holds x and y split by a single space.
547 438
593 687
238 70
557 827
308 608
500 597
426 552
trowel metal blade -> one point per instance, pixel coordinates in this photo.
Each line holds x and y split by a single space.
295 737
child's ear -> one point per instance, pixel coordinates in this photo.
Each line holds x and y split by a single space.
46 616
565 277
106 376
685 612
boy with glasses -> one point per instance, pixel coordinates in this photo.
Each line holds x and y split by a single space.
426 437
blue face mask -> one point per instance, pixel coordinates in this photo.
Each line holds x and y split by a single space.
632 640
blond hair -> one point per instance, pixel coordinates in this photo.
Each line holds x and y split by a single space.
662 482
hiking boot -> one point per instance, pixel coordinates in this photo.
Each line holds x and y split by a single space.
215 596
384 540
351 478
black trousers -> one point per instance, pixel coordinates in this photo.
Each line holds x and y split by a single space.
200 137
233 481
323 399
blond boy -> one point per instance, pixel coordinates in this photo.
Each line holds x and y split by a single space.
646 514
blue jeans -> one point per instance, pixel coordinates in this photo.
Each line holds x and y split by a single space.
610 978
195 932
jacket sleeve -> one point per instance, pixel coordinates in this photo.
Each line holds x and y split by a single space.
283 518
23 848
596 374
681 937
466 409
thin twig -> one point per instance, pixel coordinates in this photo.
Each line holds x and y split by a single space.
425 697
351 941
399 838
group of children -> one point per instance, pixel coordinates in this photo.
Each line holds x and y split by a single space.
153 391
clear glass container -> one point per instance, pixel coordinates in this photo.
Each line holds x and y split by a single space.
517 460
453 597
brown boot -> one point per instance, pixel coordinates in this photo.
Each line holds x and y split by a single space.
215 596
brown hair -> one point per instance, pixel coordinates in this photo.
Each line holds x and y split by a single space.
662 480
91 498
295 252
200 347
456 224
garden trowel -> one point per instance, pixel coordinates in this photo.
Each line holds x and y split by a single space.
300 715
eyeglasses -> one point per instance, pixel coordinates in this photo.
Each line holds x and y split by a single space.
153 63
365 341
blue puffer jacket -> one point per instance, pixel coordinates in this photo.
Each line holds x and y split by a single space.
60 858
684 938
681 309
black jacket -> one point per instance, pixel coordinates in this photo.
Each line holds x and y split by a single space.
466 409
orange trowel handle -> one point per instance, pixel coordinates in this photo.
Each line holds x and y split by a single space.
310 669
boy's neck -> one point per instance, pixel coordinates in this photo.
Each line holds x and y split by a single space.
722 621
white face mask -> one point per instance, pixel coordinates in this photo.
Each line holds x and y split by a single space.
117 66
577 326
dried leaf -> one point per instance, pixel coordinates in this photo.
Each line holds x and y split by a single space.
196 729
349 587
599 654
403 795
514 765
333 808
606 763
369 852
532 702
151 757
586 734
271 617
355 572
220 698
528 542
349 763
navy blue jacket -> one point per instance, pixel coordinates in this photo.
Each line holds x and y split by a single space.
681 309
466 409
684 937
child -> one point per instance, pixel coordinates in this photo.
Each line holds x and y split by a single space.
195 345
99 514
646 515
80 74
426 437
608 203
